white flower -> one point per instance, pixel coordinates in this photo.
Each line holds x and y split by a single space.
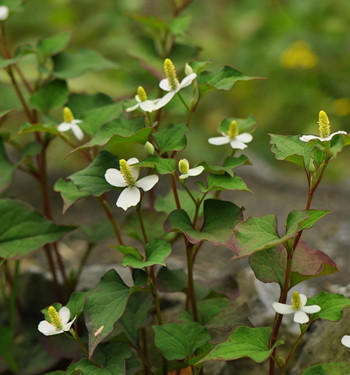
184 168
143 103
4 12
297 308
59 322
307 138
324 128
127 177
171 83
70 124
345 340
233 138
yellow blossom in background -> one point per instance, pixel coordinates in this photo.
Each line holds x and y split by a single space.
299 55
341 106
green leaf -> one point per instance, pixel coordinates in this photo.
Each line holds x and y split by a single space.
244 342
82 103
85 367
136 315
115 354
269 265
219 313
332 306
220 218
171 138
98 231
178 25
94 118
104 306
179 341
223 182
76 303
289 148
258 233
223 79
162 165
91 179
53 44
301 220
129 250
156 253
229 164
170 281
23 230
69 65
330 368
20 52
7 169
69 192
120 130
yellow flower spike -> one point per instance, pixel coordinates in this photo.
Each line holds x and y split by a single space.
183 166
233 131
141 93
67 115
126 173
170 73
296 301
55 318
324 125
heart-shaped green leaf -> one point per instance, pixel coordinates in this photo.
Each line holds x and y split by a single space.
269 265
91 178
162 165
223 79
171 138
104 306
332 306
23 229
244 342
69 65
53 44
120 130
220 218
69 192
179 341
52 95
156 253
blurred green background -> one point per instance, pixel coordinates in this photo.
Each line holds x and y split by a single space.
301 47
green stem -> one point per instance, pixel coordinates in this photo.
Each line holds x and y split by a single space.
297 342
83 347
191 295
183 102
142 225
